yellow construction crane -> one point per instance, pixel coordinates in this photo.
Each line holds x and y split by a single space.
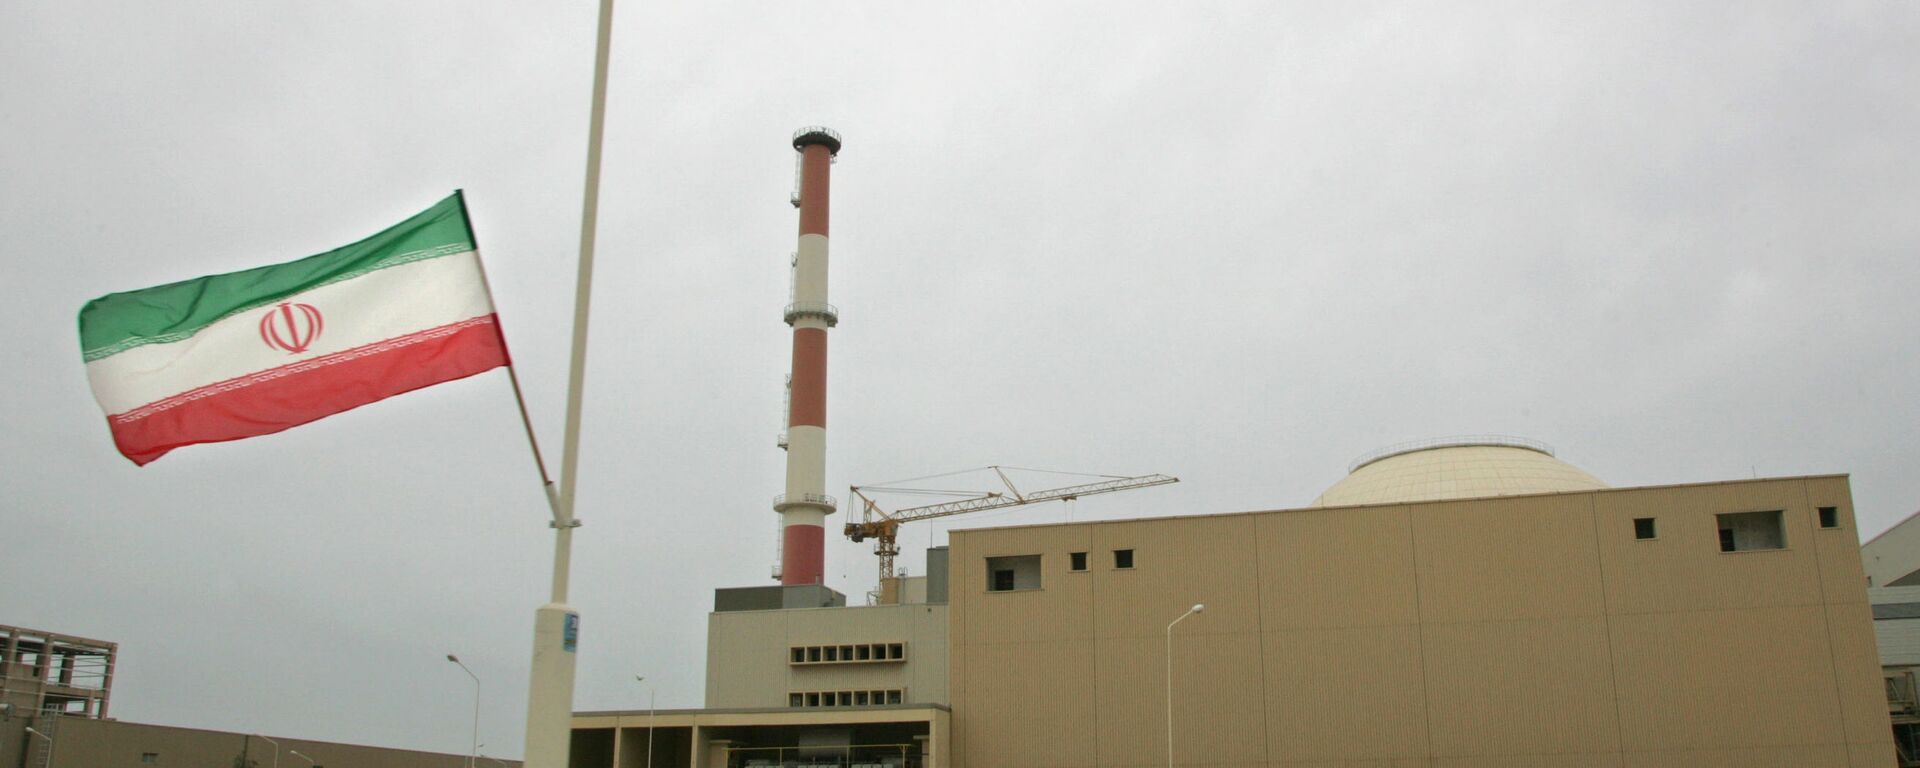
883 527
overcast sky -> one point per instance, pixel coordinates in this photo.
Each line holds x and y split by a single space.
1235 242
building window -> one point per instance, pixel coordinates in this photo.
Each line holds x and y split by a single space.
1643 528
1077 561
150 758
868 698
1011 574
862 653
1123 558
1829 517
1751 531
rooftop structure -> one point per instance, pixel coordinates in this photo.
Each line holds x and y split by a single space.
1456 468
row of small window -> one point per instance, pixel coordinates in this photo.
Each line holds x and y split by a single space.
1746 531
845 698
847 654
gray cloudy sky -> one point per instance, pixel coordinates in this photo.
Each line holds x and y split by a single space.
1236 242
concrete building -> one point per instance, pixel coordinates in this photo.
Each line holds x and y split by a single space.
1717 624
1468 602
54 692
1892 559
1896 627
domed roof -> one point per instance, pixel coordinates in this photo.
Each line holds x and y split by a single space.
1456 468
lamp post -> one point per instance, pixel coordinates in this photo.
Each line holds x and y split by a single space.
1197 607
496 761
642 679
476 709
310 761
49 743
276 749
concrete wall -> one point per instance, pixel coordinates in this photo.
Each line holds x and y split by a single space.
701 738
1892 559
1896 625
84 743
748 663
1521 631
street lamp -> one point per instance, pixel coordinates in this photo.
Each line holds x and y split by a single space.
276 749
476 709
310 761
642 679
1197 607
49 743
497 761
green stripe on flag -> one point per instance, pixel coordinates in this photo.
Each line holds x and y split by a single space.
163 314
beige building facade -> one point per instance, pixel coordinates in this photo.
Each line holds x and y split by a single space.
879 654
1719 624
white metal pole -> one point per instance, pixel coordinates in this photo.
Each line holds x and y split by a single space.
1190 611
556 625
276 749
642 679
310 761
476 708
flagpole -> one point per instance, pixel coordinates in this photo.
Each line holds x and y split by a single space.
513 375
556 625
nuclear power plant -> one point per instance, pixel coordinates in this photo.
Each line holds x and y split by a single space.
1459 602
1454 602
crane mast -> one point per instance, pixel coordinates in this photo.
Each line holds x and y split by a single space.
884 527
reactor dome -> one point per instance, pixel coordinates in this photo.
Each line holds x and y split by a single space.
1455 468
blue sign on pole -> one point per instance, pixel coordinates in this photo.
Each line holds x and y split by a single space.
570 636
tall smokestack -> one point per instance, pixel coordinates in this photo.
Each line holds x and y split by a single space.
804 507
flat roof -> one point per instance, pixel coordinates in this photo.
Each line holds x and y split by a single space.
1756 480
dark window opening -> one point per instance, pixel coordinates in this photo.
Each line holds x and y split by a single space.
813 654
1751 531
799 656
150 758
796 699
813 699
1829 517
897 651
893 697
1643 527
1079 561
1013 573
1123 558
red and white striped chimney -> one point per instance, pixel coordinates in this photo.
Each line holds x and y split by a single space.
804 507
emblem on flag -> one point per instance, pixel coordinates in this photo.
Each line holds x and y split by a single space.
290 327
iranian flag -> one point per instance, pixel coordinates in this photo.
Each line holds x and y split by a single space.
258 351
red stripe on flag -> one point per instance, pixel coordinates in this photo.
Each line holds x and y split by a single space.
282 398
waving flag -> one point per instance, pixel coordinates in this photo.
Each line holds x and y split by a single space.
262 350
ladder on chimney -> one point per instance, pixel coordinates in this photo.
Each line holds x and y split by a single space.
47 723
